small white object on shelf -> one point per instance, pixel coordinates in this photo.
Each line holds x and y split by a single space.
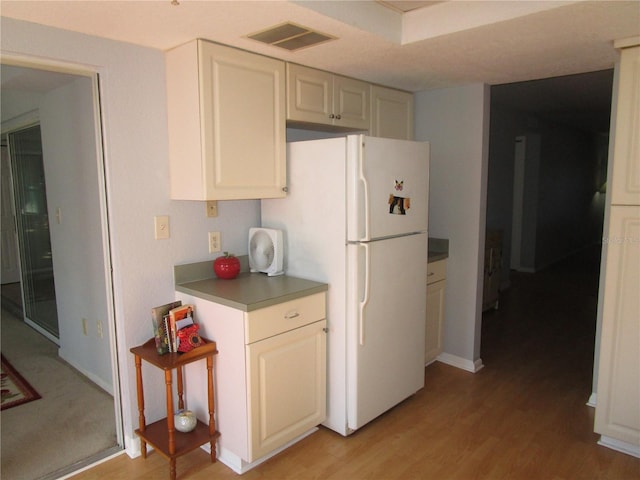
185 421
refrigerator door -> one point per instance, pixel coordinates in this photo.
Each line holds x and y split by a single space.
387 187
386 324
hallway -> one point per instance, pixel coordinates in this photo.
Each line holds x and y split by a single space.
522 417
544 332
73 412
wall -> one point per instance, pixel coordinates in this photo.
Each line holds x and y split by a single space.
135 145
73 181
456 122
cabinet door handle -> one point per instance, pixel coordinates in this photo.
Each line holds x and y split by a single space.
431 274
325 330
338 117
289 316
331 115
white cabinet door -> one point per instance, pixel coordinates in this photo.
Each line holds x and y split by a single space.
618 404
391 113
350 103
625 185
435 320
322 98
287 387
309 95
227 126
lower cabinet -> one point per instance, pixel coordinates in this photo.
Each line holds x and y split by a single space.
617 416
270 375
287 378
436 283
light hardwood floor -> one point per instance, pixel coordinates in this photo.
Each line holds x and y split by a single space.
521 417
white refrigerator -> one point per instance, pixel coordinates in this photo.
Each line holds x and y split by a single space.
356 218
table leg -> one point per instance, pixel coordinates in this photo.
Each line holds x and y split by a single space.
180 388
141 420
170 422
172 469
212 422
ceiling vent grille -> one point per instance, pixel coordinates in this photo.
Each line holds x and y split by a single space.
290 36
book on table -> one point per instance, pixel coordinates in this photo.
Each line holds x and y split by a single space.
160 332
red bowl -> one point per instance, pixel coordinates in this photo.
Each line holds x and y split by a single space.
226 267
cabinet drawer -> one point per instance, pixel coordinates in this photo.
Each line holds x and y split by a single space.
436 271
283 317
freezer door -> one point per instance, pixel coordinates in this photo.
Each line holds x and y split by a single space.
386 324
387 187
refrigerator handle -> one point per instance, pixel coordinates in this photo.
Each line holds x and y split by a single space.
365 194
365 299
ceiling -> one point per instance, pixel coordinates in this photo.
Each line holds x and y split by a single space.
438 45
411 45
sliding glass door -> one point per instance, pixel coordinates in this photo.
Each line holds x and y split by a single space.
32 218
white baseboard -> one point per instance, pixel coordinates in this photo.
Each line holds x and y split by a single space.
97 380
459 362
238 465
592 400
620 446
132 446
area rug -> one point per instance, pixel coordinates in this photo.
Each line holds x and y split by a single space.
15 389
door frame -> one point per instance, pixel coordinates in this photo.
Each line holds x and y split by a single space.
99 122
11 245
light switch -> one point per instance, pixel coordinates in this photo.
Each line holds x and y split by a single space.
212 208
162 227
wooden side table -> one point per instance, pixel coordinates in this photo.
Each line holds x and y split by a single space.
162 434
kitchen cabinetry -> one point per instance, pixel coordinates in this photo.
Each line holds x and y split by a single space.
227 126
617 416
286 378
271 366
625 184
391 113
323 98
436 283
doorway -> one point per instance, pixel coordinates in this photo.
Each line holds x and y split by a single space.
63 104
32 231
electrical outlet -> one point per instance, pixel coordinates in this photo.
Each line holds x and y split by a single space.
99 329
85 329
161 227
214 242
212 208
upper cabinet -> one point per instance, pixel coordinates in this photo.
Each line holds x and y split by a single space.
227 125
625 184
391 113
322 98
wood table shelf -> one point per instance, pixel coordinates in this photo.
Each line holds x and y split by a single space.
162 435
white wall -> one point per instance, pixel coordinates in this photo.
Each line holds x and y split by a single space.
73 184
135 144
456 122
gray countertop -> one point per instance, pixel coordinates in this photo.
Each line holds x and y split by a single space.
246 292
438 249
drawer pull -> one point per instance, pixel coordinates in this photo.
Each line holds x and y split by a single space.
431 274
289 316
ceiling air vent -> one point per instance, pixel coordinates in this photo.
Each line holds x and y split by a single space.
290 36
